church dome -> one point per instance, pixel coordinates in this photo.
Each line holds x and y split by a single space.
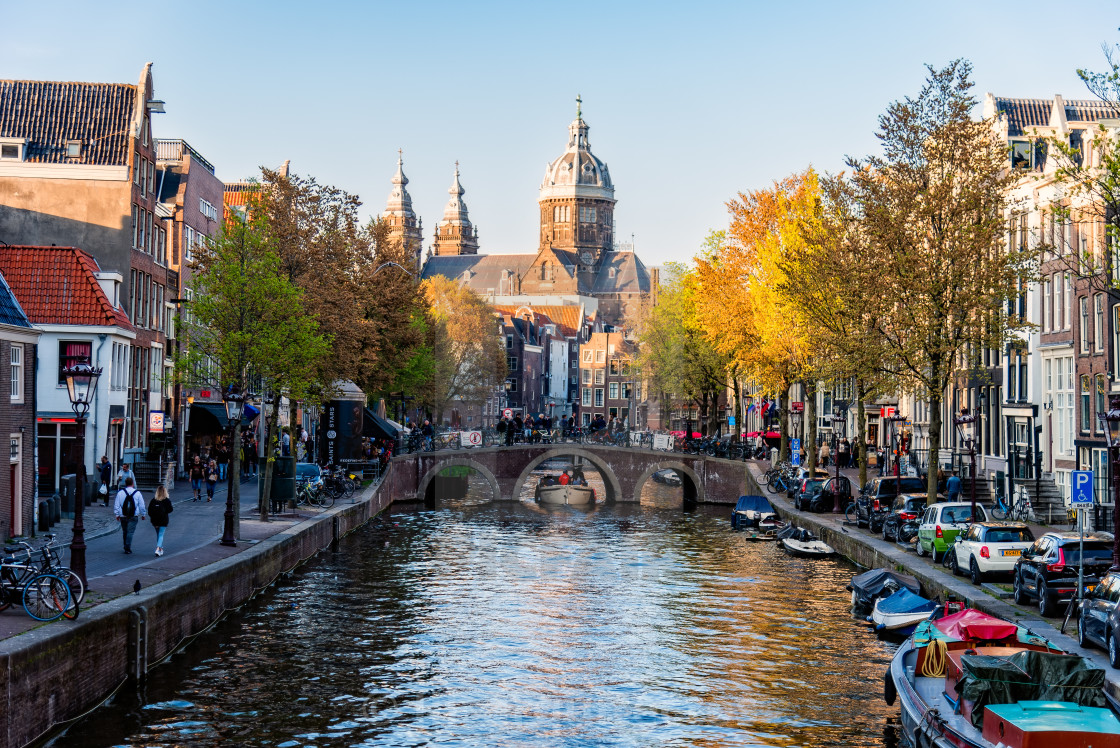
455 214
399 202
578 172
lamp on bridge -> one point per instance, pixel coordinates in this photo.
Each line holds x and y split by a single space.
235 406
81 385
1111 422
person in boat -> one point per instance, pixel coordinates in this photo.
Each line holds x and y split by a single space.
578 479
565 478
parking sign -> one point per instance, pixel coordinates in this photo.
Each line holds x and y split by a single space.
795 451
1081 488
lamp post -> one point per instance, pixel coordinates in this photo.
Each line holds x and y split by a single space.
1111 421
235 406
837 420
966 431
81 384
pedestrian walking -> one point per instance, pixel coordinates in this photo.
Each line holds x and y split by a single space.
124 474
106 476
843 452
128 508
953 486
159 509
824 454
198 474
211 479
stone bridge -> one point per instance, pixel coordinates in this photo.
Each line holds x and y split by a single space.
624 471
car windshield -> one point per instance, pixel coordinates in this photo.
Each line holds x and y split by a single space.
307 470
813 486
959 514
895 486
915 505
1095 552
1009 535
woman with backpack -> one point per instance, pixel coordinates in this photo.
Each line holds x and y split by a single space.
159 509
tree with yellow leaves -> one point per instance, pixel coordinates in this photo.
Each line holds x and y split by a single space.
740 305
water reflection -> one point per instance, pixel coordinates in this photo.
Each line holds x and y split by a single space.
487 623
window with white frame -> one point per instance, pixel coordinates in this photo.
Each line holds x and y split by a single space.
613 387
586 396
1064 403
17 372
1067 303
1098 314
1047 305
598 397
207 210
1085 334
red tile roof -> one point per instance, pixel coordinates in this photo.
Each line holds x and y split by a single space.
566 316
58 286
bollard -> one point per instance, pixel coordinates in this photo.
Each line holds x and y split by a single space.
44 515
56 509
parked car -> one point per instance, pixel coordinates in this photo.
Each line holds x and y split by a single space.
877 495
1099 623
989 548
805 497
308 472
941 523
1047 571
834 492
901 523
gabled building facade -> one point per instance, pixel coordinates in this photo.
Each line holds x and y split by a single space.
18 350
78 168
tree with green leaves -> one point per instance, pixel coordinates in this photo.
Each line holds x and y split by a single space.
932 214
247 319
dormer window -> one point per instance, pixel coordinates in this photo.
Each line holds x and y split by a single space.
610 273
73 149
13 149
1021 155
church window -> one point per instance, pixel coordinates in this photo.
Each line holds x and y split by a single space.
556 213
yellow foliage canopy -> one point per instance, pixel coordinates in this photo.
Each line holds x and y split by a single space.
739 303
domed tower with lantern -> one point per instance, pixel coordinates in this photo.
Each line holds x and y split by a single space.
404 224
577 201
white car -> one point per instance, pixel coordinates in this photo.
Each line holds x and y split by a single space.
989 548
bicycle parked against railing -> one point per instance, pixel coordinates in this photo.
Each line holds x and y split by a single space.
1018 509
46 560
45 597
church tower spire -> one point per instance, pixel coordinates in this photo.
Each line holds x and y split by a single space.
455 235
404 225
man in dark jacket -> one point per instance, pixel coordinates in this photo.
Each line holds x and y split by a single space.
518 425
106 476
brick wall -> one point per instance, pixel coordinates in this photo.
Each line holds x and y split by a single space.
18 418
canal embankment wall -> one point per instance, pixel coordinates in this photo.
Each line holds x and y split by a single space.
937 582
59 671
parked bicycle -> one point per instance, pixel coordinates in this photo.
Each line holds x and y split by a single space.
45 597
1018 509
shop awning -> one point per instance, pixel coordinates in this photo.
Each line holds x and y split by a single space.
218 410
375 427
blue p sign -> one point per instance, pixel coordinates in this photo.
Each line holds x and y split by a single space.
1081 488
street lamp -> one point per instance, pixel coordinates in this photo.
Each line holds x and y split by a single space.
837 421
1111 421
81 384
235 406
966 431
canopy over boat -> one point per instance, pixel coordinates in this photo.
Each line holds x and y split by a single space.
905 601
1029 675
971 624
871 584
754 504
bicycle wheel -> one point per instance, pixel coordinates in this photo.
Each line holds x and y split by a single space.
326 498
851 514
77 589
765 478
999 511
46 597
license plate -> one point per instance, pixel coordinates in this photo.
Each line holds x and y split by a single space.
1013 552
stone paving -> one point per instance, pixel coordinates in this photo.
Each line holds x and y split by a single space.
191 542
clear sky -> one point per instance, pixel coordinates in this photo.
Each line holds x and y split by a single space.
688 102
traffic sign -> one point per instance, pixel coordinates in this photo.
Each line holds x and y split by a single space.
1081 488
795 449
508 413
731 420
470 438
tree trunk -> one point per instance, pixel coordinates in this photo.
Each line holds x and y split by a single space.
713 413
811 432
861 433
934 445
783 426
738 392
269 456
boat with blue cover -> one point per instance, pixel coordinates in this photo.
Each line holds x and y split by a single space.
970 680
901 611
752 511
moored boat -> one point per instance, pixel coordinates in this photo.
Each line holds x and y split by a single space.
871 585
569 494
753 511
975 681
901 611
803 544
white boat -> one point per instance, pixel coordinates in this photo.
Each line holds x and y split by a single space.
569 494
800 542
901 610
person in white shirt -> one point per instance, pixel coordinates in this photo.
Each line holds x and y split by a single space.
129 509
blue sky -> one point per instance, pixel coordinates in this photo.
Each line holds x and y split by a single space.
688 103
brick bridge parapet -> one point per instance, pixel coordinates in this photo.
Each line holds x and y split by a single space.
625 470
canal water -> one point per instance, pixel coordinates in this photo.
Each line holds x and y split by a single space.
482 623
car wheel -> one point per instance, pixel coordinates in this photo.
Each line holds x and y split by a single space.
1113 650
1046 604
920 548
974 572
1081 639
1021 596
954 565
886 535
937 555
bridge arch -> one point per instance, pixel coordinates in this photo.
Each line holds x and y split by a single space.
434 470
692 484
614 488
